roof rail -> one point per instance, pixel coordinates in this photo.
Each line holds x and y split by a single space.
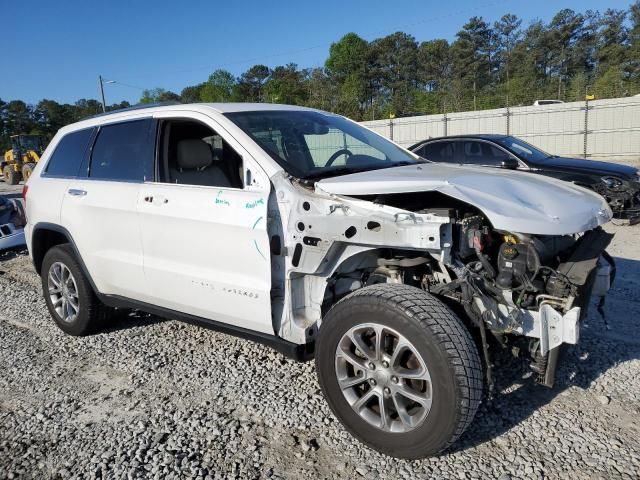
140 106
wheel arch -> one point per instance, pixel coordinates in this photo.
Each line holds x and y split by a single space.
45 236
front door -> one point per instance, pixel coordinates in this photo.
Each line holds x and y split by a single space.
206 248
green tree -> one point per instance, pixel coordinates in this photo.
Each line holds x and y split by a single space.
434 64
565 59
322 91
191 94
219 87
611 83
508 34
632 65
348 68
50 116
471 58
251 84
158 95
286 85
84 108
613 37
394 70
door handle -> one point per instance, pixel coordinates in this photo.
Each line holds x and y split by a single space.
157 199
76 192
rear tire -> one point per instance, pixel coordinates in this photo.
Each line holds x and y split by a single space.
27 170
70 299
371 342
10 175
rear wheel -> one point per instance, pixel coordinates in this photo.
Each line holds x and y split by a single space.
10 175
69 296
399 369
27 170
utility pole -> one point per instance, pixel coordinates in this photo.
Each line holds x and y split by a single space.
104 107
474 95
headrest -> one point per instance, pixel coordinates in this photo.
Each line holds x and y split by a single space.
474 148
193 153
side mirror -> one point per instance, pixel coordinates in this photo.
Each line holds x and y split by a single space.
509 163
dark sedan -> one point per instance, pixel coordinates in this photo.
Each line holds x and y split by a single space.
619 184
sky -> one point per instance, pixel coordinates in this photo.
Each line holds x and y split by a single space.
57 49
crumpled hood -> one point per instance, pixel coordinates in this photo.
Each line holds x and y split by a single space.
513 201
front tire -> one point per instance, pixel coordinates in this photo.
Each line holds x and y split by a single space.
399 370
10 175
70 299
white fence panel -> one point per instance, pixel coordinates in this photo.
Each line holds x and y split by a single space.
612 127
485 121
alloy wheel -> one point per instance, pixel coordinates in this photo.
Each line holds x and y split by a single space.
383 377
63 292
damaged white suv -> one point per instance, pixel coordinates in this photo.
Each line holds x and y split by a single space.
307 232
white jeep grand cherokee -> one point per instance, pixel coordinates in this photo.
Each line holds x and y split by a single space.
309 233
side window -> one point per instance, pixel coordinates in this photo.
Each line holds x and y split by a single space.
495 156
420 151
68 155
122 152
191 153
482 153
439 152
473 152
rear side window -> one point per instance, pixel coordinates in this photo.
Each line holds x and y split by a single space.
122 151
439 152
68 155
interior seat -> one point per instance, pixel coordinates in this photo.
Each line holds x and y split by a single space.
194 165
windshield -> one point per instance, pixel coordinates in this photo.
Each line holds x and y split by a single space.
314 145
522 149
30 142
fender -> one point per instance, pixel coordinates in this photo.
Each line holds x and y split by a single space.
37 255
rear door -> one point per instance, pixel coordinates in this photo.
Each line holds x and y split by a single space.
204 231
100 207
48 189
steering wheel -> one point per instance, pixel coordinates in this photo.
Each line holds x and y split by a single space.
335 156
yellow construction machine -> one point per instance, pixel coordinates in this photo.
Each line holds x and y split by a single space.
19 162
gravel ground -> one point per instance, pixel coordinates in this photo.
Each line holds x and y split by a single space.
155 398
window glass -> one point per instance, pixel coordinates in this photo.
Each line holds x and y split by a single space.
482 153
314 145
191 153
440 152
523 150
323 146
68 155
121 152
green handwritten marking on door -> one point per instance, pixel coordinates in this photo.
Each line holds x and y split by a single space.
220 200
254 204
255 242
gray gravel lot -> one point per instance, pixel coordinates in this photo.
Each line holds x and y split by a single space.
154 398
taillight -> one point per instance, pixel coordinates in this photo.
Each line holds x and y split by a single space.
25 189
